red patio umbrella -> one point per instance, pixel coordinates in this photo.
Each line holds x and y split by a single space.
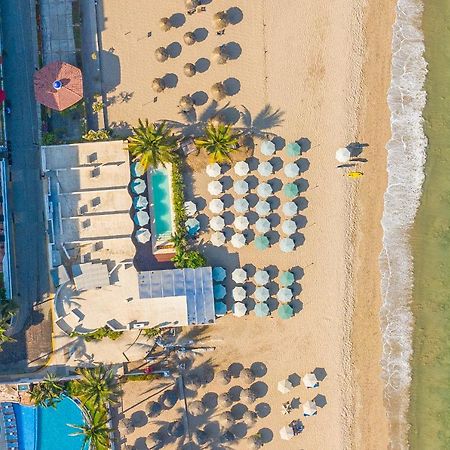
58 85
2 96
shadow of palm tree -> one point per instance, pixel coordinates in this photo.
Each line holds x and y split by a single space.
264 121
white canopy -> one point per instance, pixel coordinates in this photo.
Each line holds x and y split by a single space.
238 240
190 208
239 275
143 235
138 185
215 187
217 239
239 294
263 208
264 190
261 294
217 223
216 206
310 380
140 202
239 309
309 408
213 170
287 245
289 227
284 295
291 170
262 225
241 168
141 218
241 223
240 187
241 205
343 155
286 433
267 148
265 168
290 209
285 386
261 277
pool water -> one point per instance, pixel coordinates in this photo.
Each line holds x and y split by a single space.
161 202
47 428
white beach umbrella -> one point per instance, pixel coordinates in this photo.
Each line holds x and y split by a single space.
142 235
241 168
261 294
138 186
241 223
290 209
343 155
141 218
309 408
289 227
267 148
239 309
217 239
217 223
285 386
240 187
284 295
238 240
241 205
261 277
216 206
140 202
262 225
310 380
192 225
264 190
190 208
213 170
239 275
262 208
239 294
291 170
265 169
287 245
286 433
215 187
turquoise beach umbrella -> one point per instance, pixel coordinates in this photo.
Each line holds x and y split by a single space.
219 291
220 308
219 273
262 242
293 149
285 312
261 310
290 190
286 279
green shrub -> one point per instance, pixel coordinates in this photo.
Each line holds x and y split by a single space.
140 377
99 135
99 334
49 138
97 106
178 197
152 332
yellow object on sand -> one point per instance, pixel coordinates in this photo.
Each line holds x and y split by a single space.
355 174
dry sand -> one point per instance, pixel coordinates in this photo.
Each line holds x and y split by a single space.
304 59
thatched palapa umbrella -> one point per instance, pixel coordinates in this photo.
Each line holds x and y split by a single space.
220 56
218 91
224 377
220 20
189 38
165 24
197 408
153 409
189 69
224 399
126 426
200 437
154 439
158 85
161 54
248 396
249 418
247 376
176 429
226 419
186 103
170 398
254 442
192 4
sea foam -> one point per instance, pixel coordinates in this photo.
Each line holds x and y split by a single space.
405 165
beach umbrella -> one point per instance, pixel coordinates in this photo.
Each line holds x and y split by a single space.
189 38
217 223
310 380
219 273
189 70
241 168
223 377
192 226
199 437
161 54
247 396
309 408
218 91
138 186
197 408
293 149
241 223
262 225
151 440
265 169
291 170
176 429
289 227
238 240
239 275
170 398
220 20
220 55
227 437
262 208
215 187
220 308
158 85
241 205
343 155
267 148
226 419
249 418
219 291
153 409
213 170
192 4
290 209
262 309
285 312
287 278
262 294
284 295
247 376
142 235
287 245
186 103
254 442
140 202
285 386
290 190
217 239
126 426
141 218
239 294
224 400
136 169
239 309
190 208
286 433
164 24
264 190
240 187
262 242
216 206
261 277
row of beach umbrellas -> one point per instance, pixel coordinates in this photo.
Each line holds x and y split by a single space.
261 309
264 190
265 169
261 277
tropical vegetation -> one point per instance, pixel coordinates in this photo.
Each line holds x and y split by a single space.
8 309
153 144
188 259
48 392
94 431
96 135
220 142
98 334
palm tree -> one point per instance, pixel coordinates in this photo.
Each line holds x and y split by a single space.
4 338
220 142
152 144
48 392
179 240
8 308
97 385
95 433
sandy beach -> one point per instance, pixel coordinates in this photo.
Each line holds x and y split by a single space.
323 70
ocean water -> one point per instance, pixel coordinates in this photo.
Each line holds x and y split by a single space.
406 152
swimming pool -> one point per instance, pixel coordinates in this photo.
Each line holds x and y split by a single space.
40 428
162 209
